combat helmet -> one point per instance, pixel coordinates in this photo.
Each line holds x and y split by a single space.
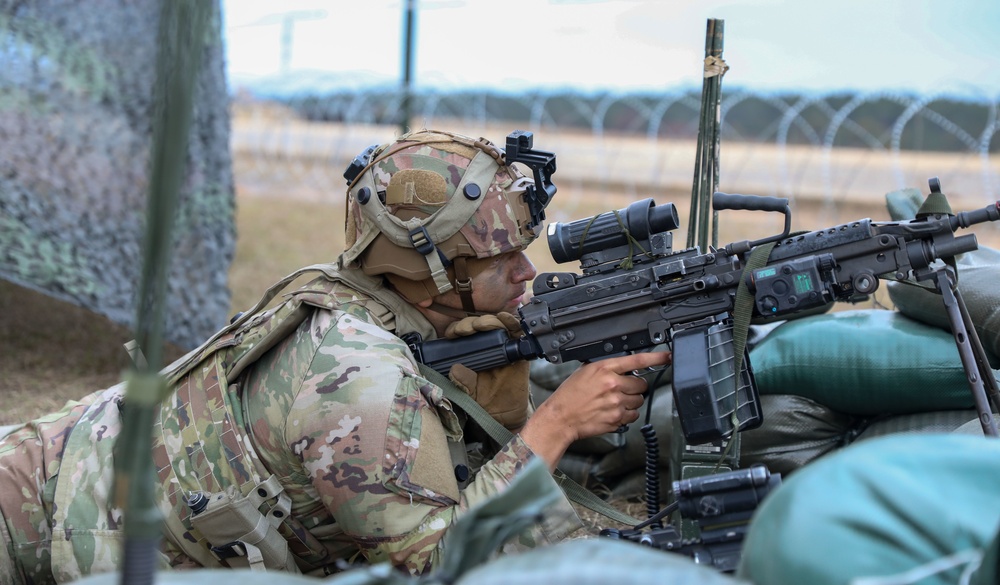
426 210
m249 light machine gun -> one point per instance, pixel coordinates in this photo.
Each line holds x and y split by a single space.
634 293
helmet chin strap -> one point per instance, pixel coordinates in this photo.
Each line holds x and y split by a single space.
463 283
463 286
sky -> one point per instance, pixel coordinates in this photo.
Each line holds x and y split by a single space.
926 47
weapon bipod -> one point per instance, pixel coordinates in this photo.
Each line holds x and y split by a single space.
970 347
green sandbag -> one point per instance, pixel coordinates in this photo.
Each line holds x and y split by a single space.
863 363
597 561
794 432
882 507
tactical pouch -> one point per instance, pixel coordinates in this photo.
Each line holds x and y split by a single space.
240 534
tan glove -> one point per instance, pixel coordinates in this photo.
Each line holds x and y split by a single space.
502 391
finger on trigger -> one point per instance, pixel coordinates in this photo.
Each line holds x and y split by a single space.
638 361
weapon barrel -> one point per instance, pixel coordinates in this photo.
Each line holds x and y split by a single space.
967 218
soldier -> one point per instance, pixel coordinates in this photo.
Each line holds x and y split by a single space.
305 434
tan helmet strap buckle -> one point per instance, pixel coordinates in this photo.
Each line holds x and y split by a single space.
463 284
421 241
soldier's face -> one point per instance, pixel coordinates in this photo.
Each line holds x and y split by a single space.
499 286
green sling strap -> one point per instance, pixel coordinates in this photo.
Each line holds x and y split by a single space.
743 305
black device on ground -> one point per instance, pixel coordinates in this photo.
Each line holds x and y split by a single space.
721 505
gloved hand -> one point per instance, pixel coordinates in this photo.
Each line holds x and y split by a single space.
502 391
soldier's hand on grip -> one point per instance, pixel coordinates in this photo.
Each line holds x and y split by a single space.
597 398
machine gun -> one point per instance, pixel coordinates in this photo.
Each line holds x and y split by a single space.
635 293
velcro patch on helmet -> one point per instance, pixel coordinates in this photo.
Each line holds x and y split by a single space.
416 187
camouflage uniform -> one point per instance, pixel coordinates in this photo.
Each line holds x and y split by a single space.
30 458
359 439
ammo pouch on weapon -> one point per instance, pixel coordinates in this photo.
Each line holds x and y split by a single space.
240 534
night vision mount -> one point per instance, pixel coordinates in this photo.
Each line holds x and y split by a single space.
542 165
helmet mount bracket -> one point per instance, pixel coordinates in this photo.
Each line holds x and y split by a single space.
542 165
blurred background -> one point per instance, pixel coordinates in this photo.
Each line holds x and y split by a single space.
831 105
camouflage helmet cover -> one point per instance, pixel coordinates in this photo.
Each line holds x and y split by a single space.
430 199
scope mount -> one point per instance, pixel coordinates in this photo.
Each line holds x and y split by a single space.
542 165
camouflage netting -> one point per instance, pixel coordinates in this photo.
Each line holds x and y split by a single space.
76 112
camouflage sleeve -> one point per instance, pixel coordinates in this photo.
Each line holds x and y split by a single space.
372 437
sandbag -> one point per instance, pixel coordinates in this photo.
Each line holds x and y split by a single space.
579 562
863 363
597 561
634 486
974 427
881 508
941 421
794 432
580 468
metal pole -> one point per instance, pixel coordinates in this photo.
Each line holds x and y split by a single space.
408 24
706 172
